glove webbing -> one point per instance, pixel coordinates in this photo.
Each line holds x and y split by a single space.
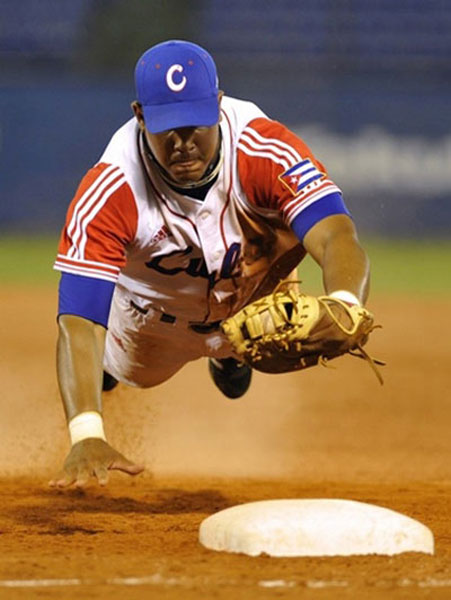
279 339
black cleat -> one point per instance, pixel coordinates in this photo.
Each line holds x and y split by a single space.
232 377
109 382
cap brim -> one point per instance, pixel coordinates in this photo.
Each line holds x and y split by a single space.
194 113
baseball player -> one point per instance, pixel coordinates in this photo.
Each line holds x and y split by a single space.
199 205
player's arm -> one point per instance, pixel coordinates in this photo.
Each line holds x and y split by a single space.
278 171
334 245
84 305
83 310
80 349
101 221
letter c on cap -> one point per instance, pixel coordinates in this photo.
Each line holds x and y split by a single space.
172 85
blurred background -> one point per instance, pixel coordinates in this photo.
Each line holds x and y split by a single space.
366 83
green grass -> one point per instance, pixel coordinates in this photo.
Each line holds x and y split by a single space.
28 260
397 266
406 266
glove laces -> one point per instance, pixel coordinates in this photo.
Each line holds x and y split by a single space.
358 351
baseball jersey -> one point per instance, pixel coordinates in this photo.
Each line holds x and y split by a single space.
200 260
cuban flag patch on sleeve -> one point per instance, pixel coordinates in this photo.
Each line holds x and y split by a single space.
300 176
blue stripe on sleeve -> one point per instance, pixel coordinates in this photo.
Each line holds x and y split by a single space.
333 204
85 297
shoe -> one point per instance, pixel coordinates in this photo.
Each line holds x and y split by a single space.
109 382
233 378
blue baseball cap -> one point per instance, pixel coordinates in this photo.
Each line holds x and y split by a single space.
177 86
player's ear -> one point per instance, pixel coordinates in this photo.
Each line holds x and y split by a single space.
220 95
138 112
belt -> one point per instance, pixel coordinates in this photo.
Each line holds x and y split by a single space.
201 328
205 327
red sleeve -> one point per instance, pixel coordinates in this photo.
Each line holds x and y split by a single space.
101 220
278 171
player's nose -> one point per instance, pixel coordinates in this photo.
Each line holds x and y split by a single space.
183 137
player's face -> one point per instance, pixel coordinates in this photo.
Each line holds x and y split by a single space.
185 153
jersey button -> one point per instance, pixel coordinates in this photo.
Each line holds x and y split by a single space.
204 215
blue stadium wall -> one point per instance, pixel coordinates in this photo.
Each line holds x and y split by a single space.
366 87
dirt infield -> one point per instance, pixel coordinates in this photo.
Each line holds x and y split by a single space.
325 433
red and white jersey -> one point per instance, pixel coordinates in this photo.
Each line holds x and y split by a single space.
200 260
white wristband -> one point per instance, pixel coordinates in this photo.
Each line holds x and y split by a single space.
86 425
346 296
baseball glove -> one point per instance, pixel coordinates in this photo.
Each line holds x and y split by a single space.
288 331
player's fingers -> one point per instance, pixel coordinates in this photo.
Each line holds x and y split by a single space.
102 475
53 482
63 479
123 464
83 477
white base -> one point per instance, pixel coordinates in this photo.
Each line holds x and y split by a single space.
313 528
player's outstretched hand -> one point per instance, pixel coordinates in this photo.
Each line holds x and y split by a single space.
92 457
